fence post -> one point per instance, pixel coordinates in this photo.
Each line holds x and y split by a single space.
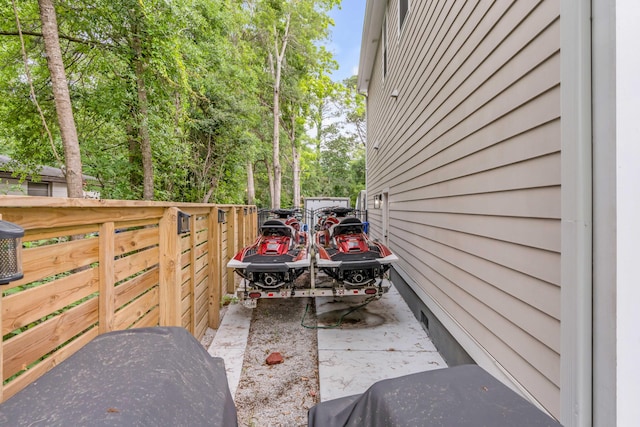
106 269
254 223
242 227
1 346
214 269
232 243
193 242
169 288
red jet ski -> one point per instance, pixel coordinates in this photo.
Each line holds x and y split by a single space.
279 255
345 252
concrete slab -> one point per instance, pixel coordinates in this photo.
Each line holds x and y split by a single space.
230 342
345 373
379 341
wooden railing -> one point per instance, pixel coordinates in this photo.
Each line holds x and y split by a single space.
93 266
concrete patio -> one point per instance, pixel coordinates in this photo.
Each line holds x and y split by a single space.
379 341
384 340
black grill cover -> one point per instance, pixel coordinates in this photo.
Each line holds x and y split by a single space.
460 396
138 377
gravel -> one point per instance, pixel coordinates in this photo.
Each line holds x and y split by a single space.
281 394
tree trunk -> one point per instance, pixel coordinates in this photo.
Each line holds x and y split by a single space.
276 71
143 120
270 175
213 184
296 164
319 135
135 178
296 178
277 169
251 186
212 187
73 161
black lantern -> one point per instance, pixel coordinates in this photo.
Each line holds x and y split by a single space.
184 226
221 216
10 252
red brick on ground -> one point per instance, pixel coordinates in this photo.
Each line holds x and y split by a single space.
274 359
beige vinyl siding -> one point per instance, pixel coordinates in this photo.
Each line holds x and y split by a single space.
469 153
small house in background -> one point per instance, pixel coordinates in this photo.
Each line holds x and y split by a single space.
502 169
51 182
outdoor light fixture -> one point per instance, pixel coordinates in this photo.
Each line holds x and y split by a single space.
376 201
10 252
183 222
395 93
221 216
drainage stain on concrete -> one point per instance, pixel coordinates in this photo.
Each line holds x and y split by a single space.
361 318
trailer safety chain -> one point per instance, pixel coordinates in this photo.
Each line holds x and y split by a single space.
341 319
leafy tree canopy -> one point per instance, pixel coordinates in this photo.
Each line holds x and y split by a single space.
192 80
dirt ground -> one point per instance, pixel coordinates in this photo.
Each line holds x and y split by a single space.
281 394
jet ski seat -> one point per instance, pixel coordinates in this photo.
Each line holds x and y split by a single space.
348 226
276 228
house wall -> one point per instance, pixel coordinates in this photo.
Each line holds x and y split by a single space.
51 182
12 187
469 154
58 189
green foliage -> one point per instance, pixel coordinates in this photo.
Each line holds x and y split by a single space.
228 299
205 66
334 161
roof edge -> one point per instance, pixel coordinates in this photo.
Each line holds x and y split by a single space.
371 33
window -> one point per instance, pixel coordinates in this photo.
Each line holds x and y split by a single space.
384 47
403 9
38 189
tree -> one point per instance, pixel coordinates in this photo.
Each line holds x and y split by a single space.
139 67
73 162
293 122
251 187
323 94
337 167
355 110
276 61
175 100
287 28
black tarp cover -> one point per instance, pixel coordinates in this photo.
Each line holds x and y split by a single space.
138 377
465 395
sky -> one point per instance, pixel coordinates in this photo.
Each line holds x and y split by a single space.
346 36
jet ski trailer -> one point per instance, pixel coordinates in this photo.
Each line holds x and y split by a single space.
342 261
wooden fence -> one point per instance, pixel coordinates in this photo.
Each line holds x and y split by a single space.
93 266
